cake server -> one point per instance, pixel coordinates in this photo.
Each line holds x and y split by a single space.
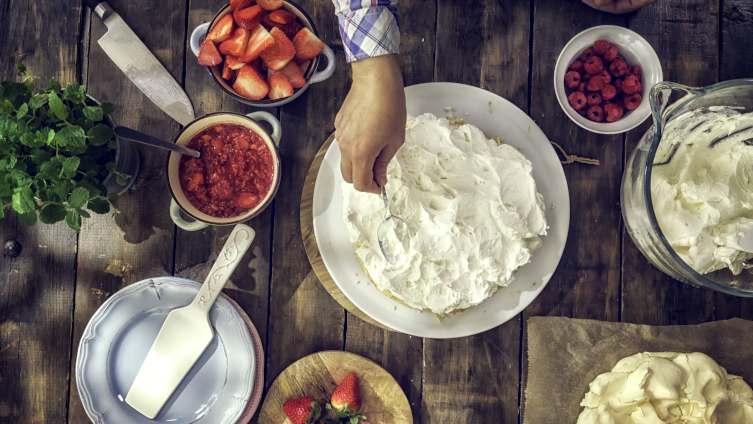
186 333
140 65
389 225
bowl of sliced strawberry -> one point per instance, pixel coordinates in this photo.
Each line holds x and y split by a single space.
263 53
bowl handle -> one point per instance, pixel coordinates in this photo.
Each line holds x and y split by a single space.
327 72
182 223
271 120
196 36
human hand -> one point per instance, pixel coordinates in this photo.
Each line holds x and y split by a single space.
617 6
370 126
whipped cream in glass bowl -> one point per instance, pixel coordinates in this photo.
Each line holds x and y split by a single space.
687 191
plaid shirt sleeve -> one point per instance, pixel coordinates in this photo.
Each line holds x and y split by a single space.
368 28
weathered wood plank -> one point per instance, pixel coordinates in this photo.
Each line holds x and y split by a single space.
37 287
476 379
417 49
139 243
303 317
685 36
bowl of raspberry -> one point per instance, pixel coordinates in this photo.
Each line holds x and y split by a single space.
602 77
263 53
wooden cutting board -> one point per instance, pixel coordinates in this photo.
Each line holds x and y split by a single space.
317 375
309 239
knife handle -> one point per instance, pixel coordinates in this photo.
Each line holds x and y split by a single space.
99 7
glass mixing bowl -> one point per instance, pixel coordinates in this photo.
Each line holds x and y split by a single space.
668 101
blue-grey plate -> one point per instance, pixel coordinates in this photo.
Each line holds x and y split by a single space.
117 340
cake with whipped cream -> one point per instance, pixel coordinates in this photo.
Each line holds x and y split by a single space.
472 212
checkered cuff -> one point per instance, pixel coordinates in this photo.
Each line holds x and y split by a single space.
369 32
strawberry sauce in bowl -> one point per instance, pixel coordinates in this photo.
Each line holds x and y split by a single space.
235 178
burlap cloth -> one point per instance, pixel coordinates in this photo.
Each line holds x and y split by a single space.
565 355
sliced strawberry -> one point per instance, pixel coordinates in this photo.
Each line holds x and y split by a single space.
290 29
248 18
277 56
279 86
259 40
282 16
304 66
294 74
222 30
208 54
233 62
250 83
307 45
268 23
235 45
240 4
270 5
257 63
227 72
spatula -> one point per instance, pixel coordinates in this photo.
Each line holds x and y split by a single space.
186 333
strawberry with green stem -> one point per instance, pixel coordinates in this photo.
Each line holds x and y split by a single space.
346 400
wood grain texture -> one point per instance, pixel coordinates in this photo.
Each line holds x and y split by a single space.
303 317
318 375
37 287
139 243
690 55
476 379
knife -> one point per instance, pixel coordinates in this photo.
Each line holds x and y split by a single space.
140 65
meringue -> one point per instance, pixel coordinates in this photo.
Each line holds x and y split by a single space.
472 211
667 387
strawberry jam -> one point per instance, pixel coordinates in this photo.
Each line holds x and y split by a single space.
232 176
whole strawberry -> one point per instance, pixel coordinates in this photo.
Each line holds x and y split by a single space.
305 410
346 400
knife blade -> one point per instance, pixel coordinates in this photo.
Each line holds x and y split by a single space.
130 54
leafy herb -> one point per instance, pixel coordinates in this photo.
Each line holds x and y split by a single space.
55 152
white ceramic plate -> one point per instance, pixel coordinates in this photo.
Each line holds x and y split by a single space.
117 340
496 117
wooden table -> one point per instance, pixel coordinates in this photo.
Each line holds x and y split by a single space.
48 294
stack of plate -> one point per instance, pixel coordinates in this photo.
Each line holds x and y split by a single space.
225 385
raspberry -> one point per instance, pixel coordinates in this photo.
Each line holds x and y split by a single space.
593 98
606 76
636 71
582 112
587 54
582 87
608 92
572 79
613 111
617 85
577 100
586 77
611 54
632 101
593 65
601 46
618 68
619 57
631 85
576 66
595 113
595 84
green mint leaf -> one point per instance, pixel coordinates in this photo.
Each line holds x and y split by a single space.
21 69
20 177
94 113
6 190
50 170
40 156
89 166
73 220
70 166
78 198
38 101
23 200
48 134
60 191
28 218
22 111
71 137
123 179
100 206
51 214
57 106
6 108
83 213
93 191
100 135
112 144
107 108
74 93
110 166
54 85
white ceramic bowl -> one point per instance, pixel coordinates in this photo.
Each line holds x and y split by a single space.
636 51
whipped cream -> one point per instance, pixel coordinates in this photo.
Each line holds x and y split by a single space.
702 187
666 387
472 212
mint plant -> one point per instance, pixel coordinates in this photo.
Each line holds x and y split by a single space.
55 152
